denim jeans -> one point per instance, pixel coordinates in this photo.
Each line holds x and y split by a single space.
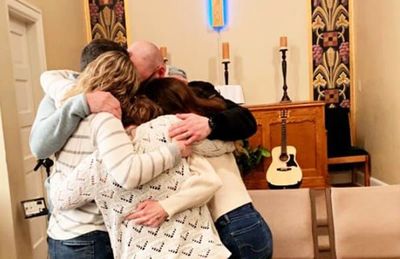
92 245
245 233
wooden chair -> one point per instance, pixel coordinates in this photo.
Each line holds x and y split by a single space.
341 154
323 227
354 160
366 221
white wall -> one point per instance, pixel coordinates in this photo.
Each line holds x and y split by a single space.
377 56
64 28
253 33
7 245
64 24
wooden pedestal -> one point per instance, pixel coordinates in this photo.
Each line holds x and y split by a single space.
305 131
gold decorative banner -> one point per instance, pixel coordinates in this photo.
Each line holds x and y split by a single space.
106 20
331 52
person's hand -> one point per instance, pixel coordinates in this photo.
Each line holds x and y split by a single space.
185 150
192 128
148 213
100 101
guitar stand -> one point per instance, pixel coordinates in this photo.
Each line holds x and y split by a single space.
276 187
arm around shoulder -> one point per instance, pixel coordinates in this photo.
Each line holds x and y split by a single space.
56 83
53 127
197 190
116 151
234 123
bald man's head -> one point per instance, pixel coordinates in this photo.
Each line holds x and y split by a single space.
147 59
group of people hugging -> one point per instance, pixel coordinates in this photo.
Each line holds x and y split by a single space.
144 164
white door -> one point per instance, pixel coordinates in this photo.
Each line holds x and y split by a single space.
20 35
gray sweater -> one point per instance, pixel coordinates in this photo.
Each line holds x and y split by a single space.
52 127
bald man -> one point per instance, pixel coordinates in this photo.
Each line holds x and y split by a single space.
147 59
233 124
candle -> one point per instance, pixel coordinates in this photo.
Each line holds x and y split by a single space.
163 51
283 42
225 50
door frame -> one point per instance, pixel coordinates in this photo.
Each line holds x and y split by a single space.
17 243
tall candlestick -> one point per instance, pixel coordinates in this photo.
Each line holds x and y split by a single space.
225 51
283 50
283 42
225 60
163 51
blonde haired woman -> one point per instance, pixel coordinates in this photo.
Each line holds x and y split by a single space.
80 232
190 233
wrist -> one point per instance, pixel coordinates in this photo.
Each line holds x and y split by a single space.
89 99
166 206
85 104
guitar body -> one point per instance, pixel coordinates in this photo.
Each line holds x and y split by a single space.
284 171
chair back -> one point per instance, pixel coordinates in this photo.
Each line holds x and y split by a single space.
366 221
288 214
338 126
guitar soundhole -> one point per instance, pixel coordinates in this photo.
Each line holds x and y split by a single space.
283 157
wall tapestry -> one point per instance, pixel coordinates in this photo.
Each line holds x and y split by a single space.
106 20
330 50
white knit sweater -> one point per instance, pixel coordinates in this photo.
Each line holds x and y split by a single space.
190 233
104 133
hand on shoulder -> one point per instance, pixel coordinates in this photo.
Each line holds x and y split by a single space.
100 101
192 128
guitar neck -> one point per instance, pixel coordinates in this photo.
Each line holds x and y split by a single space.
283 136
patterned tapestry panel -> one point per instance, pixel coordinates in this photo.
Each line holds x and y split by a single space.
330 48
107 20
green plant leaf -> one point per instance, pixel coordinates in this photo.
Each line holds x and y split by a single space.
265 152
250 157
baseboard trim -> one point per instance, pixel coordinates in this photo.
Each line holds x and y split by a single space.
345 177
374 181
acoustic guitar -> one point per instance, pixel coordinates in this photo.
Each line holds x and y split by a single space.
284 171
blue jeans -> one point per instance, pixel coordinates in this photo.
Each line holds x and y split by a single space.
92 245
245 233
